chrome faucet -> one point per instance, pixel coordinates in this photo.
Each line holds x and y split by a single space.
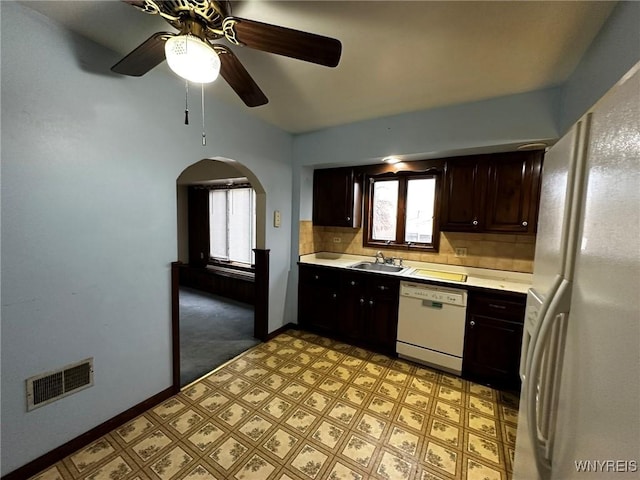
379 257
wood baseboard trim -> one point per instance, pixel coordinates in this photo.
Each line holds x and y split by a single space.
282 329
48 459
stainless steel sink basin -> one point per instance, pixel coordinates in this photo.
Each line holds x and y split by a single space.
377 267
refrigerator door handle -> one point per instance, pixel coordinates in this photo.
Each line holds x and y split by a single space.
540 431
530 334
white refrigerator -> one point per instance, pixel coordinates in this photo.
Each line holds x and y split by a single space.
580 362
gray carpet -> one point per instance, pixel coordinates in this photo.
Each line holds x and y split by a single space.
213 330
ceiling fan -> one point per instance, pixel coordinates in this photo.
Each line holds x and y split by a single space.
202 21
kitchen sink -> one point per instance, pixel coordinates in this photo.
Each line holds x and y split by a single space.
377 267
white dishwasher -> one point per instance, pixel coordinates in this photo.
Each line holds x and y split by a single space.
431 324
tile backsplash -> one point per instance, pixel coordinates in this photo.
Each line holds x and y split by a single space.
495 251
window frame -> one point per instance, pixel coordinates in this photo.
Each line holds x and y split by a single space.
227 261
403 178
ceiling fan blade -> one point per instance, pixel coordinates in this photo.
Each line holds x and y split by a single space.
283 41
239 79
146 56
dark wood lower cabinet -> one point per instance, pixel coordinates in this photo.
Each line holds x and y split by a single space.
493 339
357 307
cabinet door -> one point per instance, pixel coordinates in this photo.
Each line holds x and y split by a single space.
463 195
492 351
350 323
512 192
336 198
380 326
318 298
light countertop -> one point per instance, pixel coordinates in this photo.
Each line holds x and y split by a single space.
476 277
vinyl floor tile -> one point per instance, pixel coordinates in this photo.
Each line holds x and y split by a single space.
305 407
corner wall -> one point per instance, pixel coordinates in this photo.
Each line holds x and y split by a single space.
89 167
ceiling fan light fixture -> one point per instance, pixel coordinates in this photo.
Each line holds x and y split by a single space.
192 58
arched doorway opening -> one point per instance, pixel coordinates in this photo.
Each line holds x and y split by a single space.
211 276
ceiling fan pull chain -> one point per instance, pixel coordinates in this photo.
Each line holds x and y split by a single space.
186 102
204 135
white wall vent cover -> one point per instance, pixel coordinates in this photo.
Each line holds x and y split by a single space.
48 387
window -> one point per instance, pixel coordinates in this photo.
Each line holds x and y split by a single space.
232 220
403 211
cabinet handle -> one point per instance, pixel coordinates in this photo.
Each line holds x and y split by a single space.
348 219
353 282
524 224
475 223
316 277
371 302
362 301
500 307
335 295
472 323
383 288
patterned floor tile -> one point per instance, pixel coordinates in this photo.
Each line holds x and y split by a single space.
359 450
200 472
477 470
371 426
256 396
317 402
448 434
170 464
92 454
404 440
274 381
328 434
381 406
301 420
305 407
206 436
411 418
441 458
229 453
488 450
416 400
214 401
150 445
485 425
309 461
481 405
342 472
393 467
186 421
255 428
343 413
132 430
280 443
116 468
354 395
276 407
449 412
257 468
232 414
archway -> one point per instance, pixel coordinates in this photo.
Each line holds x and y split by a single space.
203 174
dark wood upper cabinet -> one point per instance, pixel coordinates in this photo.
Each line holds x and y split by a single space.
495 193
337 198
512 192
463 195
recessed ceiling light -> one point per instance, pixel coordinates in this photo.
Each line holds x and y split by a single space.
533 146
391 160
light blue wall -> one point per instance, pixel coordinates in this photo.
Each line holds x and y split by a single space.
613 52
89 168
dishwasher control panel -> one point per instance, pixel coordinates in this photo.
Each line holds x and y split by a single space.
433 294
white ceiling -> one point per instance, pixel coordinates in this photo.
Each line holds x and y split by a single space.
398 56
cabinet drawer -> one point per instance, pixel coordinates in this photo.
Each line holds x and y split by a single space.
319 276
507 308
